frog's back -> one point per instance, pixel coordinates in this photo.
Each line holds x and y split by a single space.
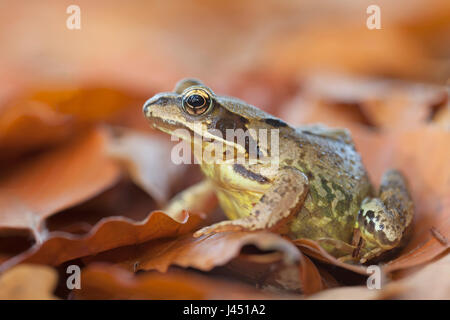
338 183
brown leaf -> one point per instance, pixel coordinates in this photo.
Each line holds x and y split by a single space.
208 252
351 48
28 282
431 282
102 281
337 100
109 233
313 249
55 180
46 117
202 253
147 159
346 293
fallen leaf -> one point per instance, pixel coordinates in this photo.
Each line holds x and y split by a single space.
109 233
351 48
208 252
346 293
338 100
42 118
103 281
202 253
53 181
28 282
431 282
147 159
313 249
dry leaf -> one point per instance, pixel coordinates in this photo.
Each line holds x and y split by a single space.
208 252
102 281
47 117
54 181
28 282
338 100
147 159
109 233
432 282
346 293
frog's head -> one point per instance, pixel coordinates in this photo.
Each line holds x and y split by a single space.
190 103
194 107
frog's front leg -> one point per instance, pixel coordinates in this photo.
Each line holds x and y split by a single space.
383 222
193 199
283 199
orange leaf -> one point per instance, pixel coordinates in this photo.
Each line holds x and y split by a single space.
208 252
147 159
102 281
337 100
109 233
54 181
432 282
47 117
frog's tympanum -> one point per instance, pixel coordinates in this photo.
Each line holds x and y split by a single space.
319 190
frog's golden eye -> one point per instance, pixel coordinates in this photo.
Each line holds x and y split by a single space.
196 102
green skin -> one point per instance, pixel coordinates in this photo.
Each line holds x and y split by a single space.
320 190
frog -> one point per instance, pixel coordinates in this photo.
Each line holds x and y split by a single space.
319 189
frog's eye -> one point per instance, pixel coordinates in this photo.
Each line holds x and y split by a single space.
196 102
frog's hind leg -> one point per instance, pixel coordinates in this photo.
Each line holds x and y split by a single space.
383 222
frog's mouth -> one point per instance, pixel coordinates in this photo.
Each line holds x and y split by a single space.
171 127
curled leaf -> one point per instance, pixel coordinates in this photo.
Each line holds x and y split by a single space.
45 117
102 281
109 233
208 252
54 181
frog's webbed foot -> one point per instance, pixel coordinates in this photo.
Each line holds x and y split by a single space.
283 199
384 222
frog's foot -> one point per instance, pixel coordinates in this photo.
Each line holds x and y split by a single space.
383 222
283 199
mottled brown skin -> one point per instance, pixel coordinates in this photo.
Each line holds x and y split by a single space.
319 191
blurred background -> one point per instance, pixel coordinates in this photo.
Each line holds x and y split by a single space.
148 45
267 53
